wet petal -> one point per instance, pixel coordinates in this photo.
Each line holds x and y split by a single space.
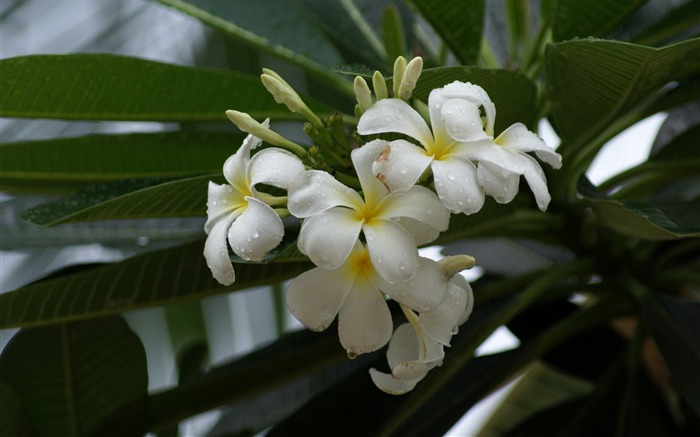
462 120
388 384
275 167
502 186
318 191
424 292
315 297
465 91
395 115
328 238
392 250
418 203
257 231
442 323
236 165
400 165
421 232
519 138
364 321
537 181
461 282
362 159
411 354
457 186
221 200
216 251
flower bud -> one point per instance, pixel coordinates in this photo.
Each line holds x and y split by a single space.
246 123
451 265
379 85
410 78
399 68
285 94
363 94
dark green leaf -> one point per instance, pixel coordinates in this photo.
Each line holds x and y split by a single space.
110 87
458 23
677 140
593 82
513 93
634 218
68 163
127 199
574 18
393 33
156 278
675 325
71 376
670 26
13 418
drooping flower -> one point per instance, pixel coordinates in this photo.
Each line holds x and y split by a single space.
418 346
240 216
353 292
393 224
459 139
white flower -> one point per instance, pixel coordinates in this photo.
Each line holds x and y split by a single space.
353 291
418 346
239 215
392 223
459 138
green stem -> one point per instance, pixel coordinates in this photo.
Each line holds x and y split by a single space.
487 55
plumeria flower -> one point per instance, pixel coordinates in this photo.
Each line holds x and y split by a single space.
354 292
393 224
459 137
418 346
240 216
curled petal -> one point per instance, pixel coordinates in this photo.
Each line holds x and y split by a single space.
420 204
257 231
424 292
221 200
392 250
395 115
235 166
362 159
517 137
442 323
460 282
216 251
422 233
400 165
275 167
411 354
457 185
388 384
464 91
462 120
328 238
502 186
315 297
537 181
318 191
364 321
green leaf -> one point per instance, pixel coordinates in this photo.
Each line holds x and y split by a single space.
71 376
592 82
67 163
675 325
673 24
682 148
513 93
458 23
155 278
279 27
393 33
110 87
634 218
127 199
13 418
574 18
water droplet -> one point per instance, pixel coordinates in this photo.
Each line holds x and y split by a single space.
403 170
214 203
142 241
455 330
352 354
256 234
429 211
370 237
451 176
402 266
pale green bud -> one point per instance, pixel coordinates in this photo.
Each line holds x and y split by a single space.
379 85
410 78
363 94
246 123
399 68
451 265
285 94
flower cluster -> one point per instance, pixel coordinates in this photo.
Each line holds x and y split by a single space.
363 233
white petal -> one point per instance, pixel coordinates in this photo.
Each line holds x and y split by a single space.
518 137
257 231
424 292
488 151
275 167
460 282
462 120
362 159
457 186
364 321
537 181
328 238
411 355
466 91
403 346
421 232
400 165
235 167
392 250
315 297
395 115
388 384
318 191
222 200
443 321
418 203
216 251
499 184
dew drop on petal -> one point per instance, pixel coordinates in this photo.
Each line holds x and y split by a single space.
402 266
256 234
455 330
403 170
451 176
352 354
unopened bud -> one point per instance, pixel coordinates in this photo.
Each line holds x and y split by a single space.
399 68
246 123
451 265
410 78
379 85
363 94
285 94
